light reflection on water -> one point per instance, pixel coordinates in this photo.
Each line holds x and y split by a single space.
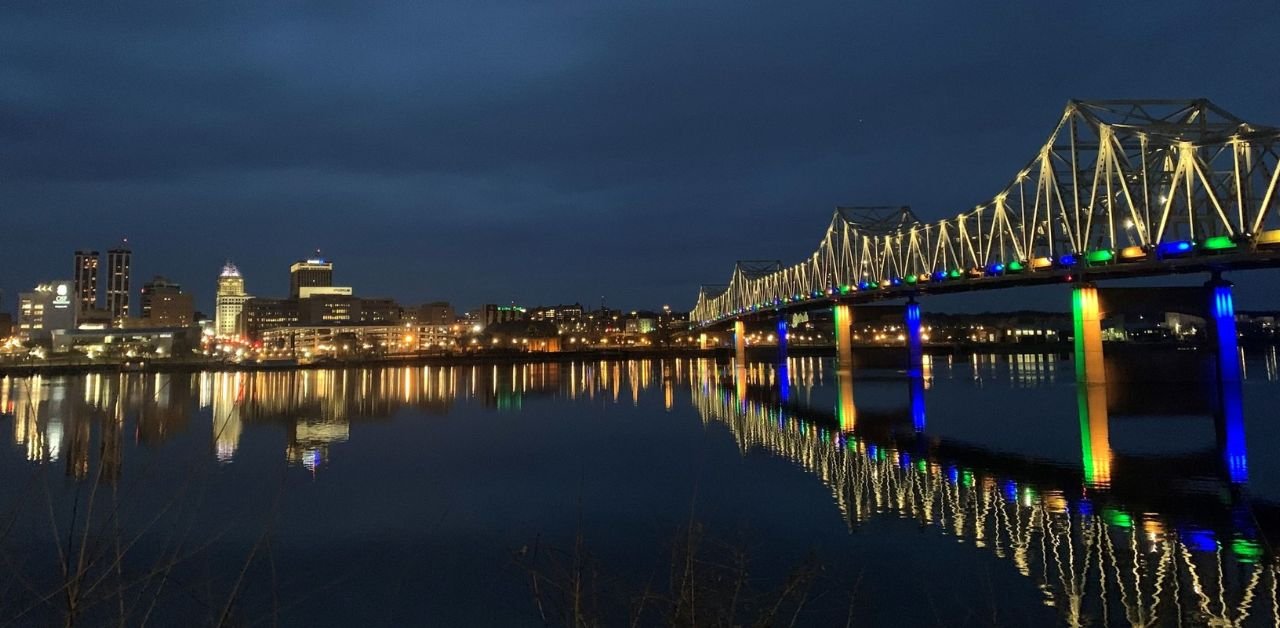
1140 538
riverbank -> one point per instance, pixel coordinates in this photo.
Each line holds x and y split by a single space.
869 355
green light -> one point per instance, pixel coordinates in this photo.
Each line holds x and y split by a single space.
1218 243
922 465
954 274
844 289
874 285
1098 257
1117 518
1015 266
966 478
1246 550
910 279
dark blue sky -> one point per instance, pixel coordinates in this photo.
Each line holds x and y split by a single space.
544 152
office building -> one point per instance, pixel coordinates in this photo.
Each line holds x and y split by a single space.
434 313
229 301
118 262
165 305
50 306
309 273
86 280
491 313
261 315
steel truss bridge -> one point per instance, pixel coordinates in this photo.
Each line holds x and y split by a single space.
1120 189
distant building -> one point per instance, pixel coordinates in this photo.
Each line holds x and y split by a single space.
309 273
434 313
118 263
165 305
491 314
229 301
50 306
307 292
261 315
133 341
568 318
86 279
6 324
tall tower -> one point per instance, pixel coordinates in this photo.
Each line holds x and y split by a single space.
118 261
86 280
230 301
309 273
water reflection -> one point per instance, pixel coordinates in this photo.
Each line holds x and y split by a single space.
1124 540
1143 539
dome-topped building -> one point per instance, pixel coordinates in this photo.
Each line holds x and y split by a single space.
230 301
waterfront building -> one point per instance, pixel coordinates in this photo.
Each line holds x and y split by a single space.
492 313
128 342
165 305
86 279
229 301
261 315
315 272
51 305
118 267
434 313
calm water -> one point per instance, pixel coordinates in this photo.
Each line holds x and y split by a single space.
992 492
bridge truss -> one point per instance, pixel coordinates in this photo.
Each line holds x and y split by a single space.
1136 186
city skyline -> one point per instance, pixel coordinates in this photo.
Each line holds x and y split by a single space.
547 167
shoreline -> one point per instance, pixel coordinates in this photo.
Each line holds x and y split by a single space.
874 354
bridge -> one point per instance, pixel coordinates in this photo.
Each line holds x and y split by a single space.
1120 189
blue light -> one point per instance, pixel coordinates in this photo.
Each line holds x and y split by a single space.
1068 260
1011 490
895 281
1086 507
1200 540
995 268
1176 247
1223 311
917 404
954 474
863 285
940 275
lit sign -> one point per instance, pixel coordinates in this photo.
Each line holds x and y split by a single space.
62 297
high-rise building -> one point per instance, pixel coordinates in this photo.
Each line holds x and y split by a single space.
165 305
229 301
118 262
86 278
309 273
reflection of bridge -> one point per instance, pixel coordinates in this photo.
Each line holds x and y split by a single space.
1119 189
1097 543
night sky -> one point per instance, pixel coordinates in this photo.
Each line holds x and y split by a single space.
545 152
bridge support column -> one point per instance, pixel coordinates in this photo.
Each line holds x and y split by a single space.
915 347
782 339
1095 434
784 376
703 343
842 315
740 342
1229 424
917 403
1222 329
1088 335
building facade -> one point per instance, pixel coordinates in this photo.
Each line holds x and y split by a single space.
229 302
50 306
309 273
119 261
86 280
165 305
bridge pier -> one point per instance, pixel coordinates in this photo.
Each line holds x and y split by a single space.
917 403
1095 434
842 315
740 342
915 346
1088 335
1229 425
1222 329
782 339
703 343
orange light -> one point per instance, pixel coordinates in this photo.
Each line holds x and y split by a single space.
1041 262
1132 252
